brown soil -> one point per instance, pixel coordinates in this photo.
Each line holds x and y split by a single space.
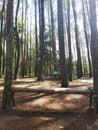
35 111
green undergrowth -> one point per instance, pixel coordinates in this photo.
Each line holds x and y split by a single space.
70 111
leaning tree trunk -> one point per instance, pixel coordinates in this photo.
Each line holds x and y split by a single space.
94 47
7 93
63 67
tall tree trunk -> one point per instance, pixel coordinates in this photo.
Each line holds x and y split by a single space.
53 35
3 42
36 40
30 52
2 13
41 24
94 46
25 40
50 54
22 45
79 64
17 43
86 38
63 67
69 44
7 93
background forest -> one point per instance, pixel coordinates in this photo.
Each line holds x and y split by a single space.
36 36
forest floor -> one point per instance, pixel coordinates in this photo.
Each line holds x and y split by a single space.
35 111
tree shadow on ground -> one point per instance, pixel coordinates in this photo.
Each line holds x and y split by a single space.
81 120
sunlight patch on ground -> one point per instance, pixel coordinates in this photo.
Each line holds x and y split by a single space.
70 97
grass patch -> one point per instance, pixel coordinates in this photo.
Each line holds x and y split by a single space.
70 111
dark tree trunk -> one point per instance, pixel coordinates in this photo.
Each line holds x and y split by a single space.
17 44
7 93
69 44
41 24
86 38
79 64
94 46
63 67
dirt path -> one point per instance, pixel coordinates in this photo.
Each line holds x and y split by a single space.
47 112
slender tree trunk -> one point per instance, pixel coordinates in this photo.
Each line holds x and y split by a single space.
69 44
50 56
7 93
63 67
53 35
94 46
22 45
3 46
1 33
42 24
25 41
36 40
17 43
79 64
3 61
86 38
30 52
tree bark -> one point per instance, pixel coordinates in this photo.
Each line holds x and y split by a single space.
86 38
41 39
53 41
79 90
63 66
17 44
36 40
69 44
79 64
8 95
2 13
94 47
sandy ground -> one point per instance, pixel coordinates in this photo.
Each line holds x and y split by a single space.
35 111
